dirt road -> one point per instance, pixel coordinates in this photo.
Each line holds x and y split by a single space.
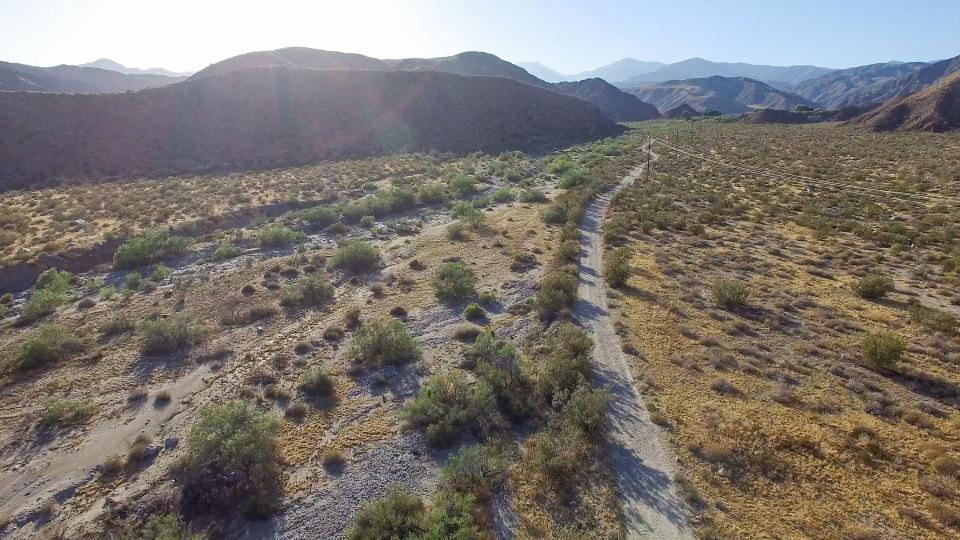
642 462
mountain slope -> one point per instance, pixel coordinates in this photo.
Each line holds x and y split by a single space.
74 79
617 105
620 70
853 86
695 68
471 63
272 116
292 57
106 63
728 95
542 72
907 84
936 108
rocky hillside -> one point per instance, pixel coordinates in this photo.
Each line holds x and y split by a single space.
681 112
728 95
269 116
698 68
75 79
618 106
854 86
936 108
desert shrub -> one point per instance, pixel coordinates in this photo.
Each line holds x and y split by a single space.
160 272
555 214
463 185
352 316
165 336
572 178
150 247
476 470
57 411
308 292
568 252
116 325
355 256
167 526
401 199
278 235
448 404
567 365
883 350
133 281
432 193
502 195
321 216
333 333
473 312
54 280
47 344
316 382
399 515
231 459
532 196
383 342
560 165
456 231
226 250
41 303
455 281
873 286
616 268
729 293
932 319
558 291
585 410
467 214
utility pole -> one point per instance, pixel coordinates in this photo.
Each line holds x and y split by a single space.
648 159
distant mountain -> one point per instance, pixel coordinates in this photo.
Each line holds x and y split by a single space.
264 117
728 95
466 63
75 79
542 72
695 68
620 70
935 108
617 105
912 82
681 112
855 86
106 63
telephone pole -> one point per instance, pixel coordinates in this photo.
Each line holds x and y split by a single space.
648 159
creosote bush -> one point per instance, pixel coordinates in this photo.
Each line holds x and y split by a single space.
558 291
455 281
316 382
59 411
165 336
616 268
308 292
47 344
383 342
883 350
148 248
355 256
232 460
277 236
474 312
729 293
405 516
873 286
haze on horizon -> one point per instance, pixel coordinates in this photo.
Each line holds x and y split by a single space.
568 36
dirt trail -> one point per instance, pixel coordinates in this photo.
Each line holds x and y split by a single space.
642 462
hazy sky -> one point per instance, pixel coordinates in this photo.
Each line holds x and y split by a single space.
568 36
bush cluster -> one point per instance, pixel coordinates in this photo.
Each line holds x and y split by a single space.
873 286
148 248
277 236
616 268
47 344
355 256
165 336
883 350
383 342
308 292
729 293
455 281
557 292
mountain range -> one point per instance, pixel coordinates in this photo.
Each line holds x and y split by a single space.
727 95
106 63
76 79
935 108
698 68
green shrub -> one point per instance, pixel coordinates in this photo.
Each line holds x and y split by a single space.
352 316
47 344
932 319
532 196
476 470
232 458
452 515
54 280
463 185
558 291
873 286
277 236
616 269
316 382
567 253
165 336
455 281
560 165
883 350
116 325
355 256
40 304
473 312
321 216
383 342
401 199
729 293
165 527
59 411
308 292
226 250
568 364
456 231
133 281
399 515
572 178
502 195
448 404
160 272
585 410
432 193
480 202
468 214
108 292
150 247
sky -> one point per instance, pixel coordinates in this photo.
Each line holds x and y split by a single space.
568 36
